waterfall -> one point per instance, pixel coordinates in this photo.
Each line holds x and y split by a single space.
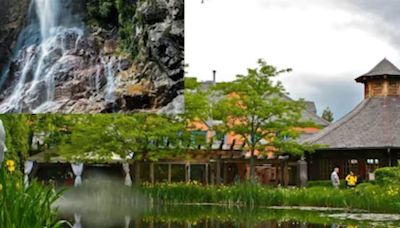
97 79
110 87
47 12
56 66
58 38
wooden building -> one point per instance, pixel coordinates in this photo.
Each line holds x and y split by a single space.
228 161
366 138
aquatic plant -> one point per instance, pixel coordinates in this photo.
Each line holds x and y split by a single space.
25 207
366 196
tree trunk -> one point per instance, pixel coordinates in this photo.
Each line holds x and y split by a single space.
252 166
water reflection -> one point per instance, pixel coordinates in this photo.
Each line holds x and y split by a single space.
111 205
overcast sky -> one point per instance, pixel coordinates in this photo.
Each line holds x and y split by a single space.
327 43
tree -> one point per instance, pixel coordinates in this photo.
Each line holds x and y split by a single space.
257 109
197 103
198 109
18 134
327 115
141 136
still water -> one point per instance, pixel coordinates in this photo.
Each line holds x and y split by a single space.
111 206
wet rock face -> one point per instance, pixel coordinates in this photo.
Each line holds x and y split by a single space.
75 75
12 18
160 38
83 71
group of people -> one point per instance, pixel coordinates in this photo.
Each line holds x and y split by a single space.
351 179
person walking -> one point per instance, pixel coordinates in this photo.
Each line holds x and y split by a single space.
351 180
335 178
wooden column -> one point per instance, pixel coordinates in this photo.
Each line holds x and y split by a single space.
152 179
212 172
137 173
284 173
206 174
218 172
187 172
302 174
225 180
169 173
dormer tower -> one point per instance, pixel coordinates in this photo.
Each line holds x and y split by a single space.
383 80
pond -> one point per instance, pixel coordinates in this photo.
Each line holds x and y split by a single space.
107 205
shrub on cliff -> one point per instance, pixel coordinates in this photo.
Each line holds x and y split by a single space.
111 14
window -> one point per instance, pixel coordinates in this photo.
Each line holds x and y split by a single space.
352 165
372 165
353 161
373 161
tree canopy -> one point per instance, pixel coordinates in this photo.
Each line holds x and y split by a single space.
255 106
327 115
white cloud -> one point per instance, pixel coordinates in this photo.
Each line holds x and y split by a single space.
329 40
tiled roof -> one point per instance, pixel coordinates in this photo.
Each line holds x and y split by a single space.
384 67
374 123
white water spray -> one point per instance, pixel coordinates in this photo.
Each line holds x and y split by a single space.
47 12
57 41
110 87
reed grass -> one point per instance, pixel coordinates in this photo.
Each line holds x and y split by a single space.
366 196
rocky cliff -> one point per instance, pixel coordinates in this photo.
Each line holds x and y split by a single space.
160 37
12 18
128 64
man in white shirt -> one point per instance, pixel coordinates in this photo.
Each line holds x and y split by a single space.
335 178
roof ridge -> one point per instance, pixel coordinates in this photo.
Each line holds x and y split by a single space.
339 123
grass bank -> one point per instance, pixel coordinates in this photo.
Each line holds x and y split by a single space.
365 196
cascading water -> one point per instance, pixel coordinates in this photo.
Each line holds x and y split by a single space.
47 11
110 87
52 52
41 57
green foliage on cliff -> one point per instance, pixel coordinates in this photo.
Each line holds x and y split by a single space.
111 14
